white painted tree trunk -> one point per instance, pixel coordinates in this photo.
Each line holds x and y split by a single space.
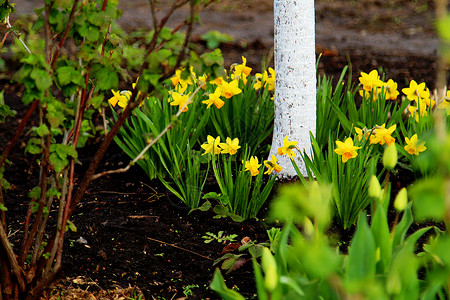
295 79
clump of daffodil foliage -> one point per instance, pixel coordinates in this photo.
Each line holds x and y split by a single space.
197 112
242 190
237 108
352 142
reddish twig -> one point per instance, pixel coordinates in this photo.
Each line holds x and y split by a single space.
154 17
105 3
4 38
106 38
42 284
68 202
187 36
64 36
12 258
174 6
40 211
18 132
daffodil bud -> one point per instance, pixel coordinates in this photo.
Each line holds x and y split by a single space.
390 157
377 254
269 267
308 227
401 200
375 188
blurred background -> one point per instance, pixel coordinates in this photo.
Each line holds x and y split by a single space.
393 36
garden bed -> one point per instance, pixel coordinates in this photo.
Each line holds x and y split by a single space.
131 232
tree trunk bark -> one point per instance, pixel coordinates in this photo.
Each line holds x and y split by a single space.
295 79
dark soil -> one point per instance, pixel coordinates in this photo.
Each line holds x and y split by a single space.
132 232
137 235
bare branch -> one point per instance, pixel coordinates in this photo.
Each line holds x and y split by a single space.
154 17
187 36
12 258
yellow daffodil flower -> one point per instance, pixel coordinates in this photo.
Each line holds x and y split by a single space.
383 135
177 79
445 103
415 91
391 90
346 149
252 166
272 165
218 81
180 100
360 133
230 146
259 80
202 80
181 87
425 94
212 145
271 80
119 98
375 91
428 102
214 98
370 81
414 111
287 148
242 70
139 93
264 80
413 146
230 89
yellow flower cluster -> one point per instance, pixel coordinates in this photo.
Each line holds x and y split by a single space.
372 83
377 135
421 102
264 80
225 88
178 96
214 146
253 165
419 94
381 135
